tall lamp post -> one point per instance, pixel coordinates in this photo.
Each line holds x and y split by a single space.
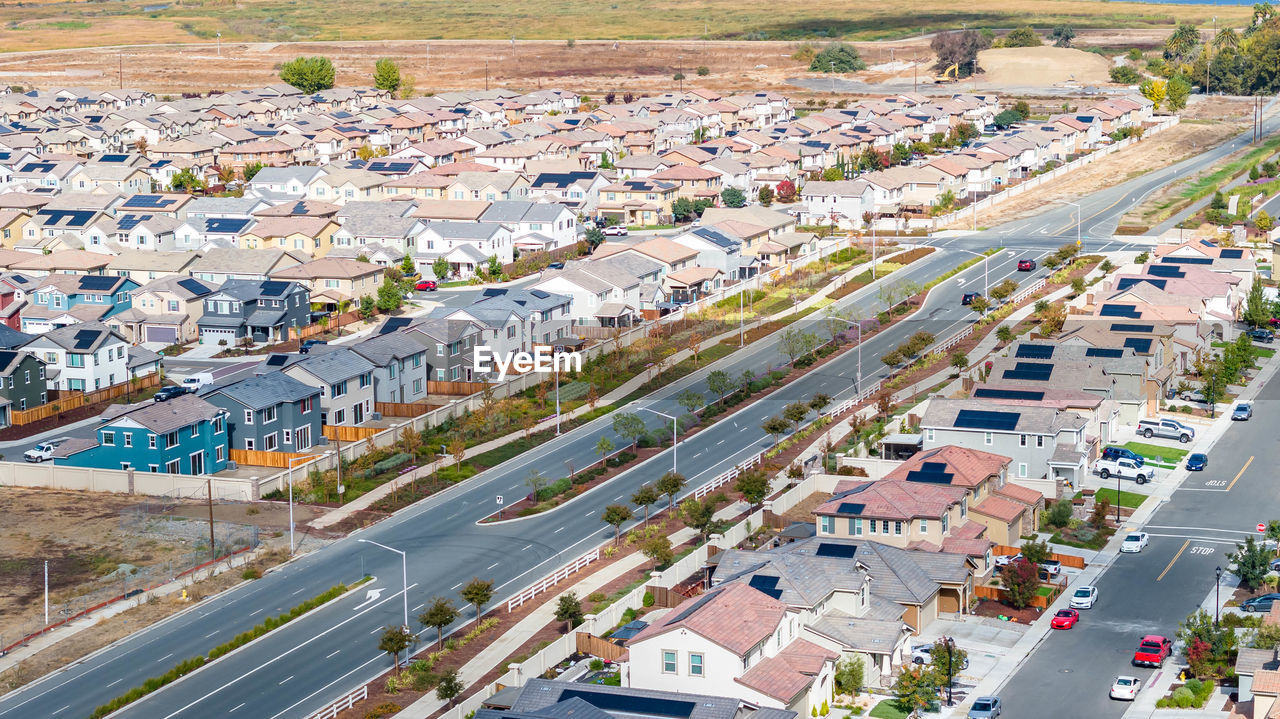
404 569
1079 219
291 461
857 382
950 644
1217 586
674 430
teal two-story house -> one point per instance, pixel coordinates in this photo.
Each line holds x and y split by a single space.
185 435
61 300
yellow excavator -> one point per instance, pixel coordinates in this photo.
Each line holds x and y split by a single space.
951 74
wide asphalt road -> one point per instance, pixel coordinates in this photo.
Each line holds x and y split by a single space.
1152 591
309 662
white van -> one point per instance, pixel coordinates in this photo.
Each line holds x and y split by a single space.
197 381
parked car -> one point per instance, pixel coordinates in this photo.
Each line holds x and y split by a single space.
1123 453
1243 412
44 450
1026 265
1274 321
615 231
1259 604
1126 468
1084 597
1197 461
1052 567
985 708
1275 565
1065 619
1191 395
1135 542
1261 335
968 298
1152 651
1167 428
306 345
426 286
197 381
168 392
1126 688
923 654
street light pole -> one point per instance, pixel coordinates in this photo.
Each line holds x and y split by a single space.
951 648
404 569
674 439
291 461
857 383
741 320
1217 597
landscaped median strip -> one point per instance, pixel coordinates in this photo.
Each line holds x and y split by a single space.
190 665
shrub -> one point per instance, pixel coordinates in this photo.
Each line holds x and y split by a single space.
250 573
648 599
597 665
1183 698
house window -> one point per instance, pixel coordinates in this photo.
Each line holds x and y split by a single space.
339 416
668 662
828 525
944 523
288 436
417 386
248 445
128 439
75 360
986 438
1022 469
1040 441
929 434
871 526
268 415
1022 440
884 526
151 441
269 442
219 453
364 380
511 332
695 665
924 526
173 466
109 439
964 506
897 528
339 389
855 526
248 416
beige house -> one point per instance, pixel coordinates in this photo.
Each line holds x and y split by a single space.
311 236
164 310
334 279
143 266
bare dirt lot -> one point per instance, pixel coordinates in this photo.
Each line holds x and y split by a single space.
1043 66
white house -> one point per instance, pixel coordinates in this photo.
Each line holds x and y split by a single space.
840 202
82 357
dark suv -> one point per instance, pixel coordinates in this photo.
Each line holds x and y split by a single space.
969 297
1112 453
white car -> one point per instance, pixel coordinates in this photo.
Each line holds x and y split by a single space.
1134 542
1084 597
923 654
615 231
1126 688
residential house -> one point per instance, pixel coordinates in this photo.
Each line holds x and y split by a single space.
221 264
271 412
259 310
400 369
840 204
449 343
143 267
343 376
535 226
333 280
22 383
82 357
637 201
62 300
514 320
185 435
166 310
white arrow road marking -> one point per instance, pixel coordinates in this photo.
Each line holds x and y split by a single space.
369 598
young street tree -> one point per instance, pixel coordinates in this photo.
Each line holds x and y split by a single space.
569 610
386 75
393 641
658 550
440 614
1251 560
699 514
630 426
690 400
440 268
795 413
604 447
914 691
616 515
308 74
449 687
753 485
670 485
719 384
478 592
819 402
775 426
644 497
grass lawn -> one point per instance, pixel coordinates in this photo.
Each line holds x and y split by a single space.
1165 455
887 710
1044 591
1132 500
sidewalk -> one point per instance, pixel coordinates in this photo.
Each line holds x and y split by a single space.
1163 490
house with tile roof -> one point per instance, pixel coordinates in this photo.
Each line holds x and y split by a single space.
545 699
734 640
334 279
166 310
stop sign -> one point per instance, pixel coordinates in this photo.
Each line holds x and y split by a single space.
1262 527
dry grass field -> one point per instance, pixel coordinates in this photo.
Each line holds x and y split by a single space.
29 25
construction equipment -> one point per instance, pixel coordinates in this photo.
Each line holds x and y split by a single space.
951 74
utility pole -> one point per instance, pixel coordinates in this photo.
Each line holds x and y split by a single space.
213 552
486 71
337 442
1208 56
46 592
833 77
120 69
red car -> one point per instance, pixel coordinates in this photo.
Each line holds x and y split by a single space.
1065 619
1274 321
426 286
1026 265
1152 651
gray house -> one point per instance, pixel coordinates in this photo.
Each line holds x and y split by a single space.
344 378
450 347
264 310
400 367
516 320
22 383
270 412
1045 443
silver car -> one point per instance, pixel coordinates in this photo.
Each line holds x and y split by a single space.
985 708
1243 412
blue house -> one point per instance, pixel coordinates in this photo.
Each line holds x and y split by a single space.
60 300
185 435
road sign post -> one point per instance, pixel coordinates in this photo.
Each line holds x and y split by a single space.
1262 527
499 506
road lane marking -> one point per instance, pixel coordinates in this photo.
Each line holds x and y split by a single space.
210 634
1214 540
376 630
63 709
527 546
1175 558
459 584
334 654
1198 529
1238 474
299 590
235 707
165 657
285 679
420 606
491 566
256 611
116 682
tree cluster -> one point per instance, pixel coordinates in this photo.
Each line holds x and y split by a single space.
959 48
837 57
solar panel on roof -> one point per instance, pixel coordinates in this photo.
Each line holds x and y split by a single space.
1021 394
1231 254
84 339
225 224
1030 351
1207 243
193 286
113 158
1103 352
933 466
1141 345
982 419
630 703
930 477
277 360
273 288
98 283
1128 282
540 294
1119 327
1187 260
761 581
1166 271
394 324
836 551
1120 311
850 508
1033 371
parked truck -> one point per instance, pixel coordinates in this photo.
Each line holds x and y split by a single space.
44 450
1124 467
1152 651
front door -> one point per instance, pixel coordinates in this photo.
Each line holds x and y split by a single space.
357 412
197 463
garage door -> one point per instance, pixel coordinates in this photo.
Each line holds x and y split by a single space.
211 337
157 333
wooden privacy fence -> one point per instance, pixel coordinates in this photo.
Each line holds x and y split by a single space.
402 409
1067 560
597 647
665 597
343 433
999 594
335 321
458 388
68 400
258 458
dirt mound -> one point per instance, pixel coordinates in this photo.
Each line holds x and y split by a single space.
1041 66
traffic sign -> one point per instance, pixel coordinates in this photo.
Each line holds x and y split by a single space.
500 504
1262 527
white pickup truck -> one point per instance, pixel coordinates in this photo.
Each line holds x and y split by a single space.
1126 468
44 450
